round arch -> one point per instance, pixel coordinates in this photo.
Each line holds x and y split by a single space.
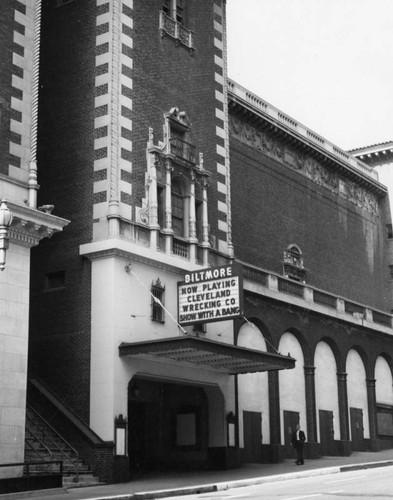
292 387
357 397
326 396
339 359
307 355
383 382
261 327
364 357
253 390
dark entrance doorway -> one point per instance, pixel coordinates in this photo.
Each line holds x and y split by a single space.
357 430
326 432
291 419
252 432
167 426
143 432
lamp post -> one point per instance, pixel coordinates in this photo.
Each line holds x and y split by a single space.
5 224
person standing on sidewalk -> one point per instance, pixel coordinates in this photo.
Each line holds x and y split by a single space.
298 439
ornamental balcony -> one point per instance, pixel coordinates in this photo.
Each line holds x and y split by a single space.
175 30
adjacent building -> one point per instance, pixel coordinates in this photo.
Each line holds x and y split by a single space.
22 224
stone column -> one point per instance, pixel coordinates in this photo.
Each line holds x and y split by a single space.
168 230
372 413
192 220
205 223
153 203
309 374
343 412
274 417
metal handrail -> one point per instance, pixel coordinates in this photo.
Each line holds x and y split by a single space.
76 465
28 464
41 443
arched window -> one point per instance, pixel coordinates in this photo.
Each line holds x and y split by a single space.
293 264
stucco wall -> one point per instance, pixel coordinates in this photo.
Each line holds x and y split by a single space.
14 304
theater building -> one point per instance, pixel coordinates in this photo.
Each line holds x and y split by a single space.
22 224
224 273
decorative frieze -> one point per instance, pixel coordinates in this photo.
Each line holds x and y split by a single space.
304 164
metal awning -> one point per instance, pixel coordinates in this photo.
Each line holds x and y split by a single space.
224 358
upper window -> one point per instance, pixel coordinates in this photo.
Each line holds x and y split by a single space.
389 231
55 281
157 301
174 9
177 209
173 21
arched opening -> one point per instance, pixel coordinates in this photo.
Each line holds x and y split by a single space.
253 400
292 391
384 400
357 401
326 390
172 425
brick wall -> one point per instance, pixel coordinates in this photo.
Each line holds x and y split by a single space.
60 320
273 206
6 41
17 19
167 74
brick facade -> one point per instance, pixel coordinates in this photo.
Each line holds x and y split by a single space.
332 232
60 320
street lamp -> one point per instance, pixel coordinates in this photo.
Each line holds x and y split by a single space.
5 224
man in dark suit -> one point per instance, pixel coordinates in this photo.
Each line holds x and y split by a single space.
298 439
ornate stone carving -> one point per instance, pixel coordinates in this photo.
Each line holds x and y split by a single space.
307 166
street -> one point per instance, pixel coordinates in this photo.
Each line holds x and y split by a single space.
368 483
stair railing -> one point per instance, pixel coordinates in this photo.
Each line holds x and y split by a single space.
75 463
26 465
30 432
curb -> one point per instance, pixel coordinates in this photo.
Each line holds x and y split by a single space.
209 488
368 465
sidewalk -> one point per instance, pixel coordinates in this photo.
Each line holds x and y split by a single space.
182 483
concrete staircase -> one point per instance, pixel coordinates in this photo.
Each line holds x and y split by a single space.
46 450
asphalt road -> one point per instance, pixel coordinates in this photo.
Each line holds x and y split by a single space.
375 484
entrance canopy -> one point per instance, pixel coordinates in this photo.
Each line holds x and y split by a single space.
203 353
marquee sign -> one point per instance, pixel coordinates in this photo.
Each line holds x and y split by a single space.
213 294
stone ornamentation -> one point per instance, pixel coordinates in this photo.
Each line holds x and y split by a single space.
307 166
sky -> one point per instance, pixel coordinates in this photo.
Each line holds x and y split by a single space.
326 63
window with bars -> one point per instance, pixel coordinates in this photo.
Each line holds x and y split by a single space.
157 301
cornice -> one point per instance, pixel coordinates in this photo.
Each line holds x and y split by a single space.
29 225
261 114
130 251
379 154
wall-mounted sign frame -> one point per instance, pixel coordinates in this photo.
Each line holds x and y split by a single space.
212 294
